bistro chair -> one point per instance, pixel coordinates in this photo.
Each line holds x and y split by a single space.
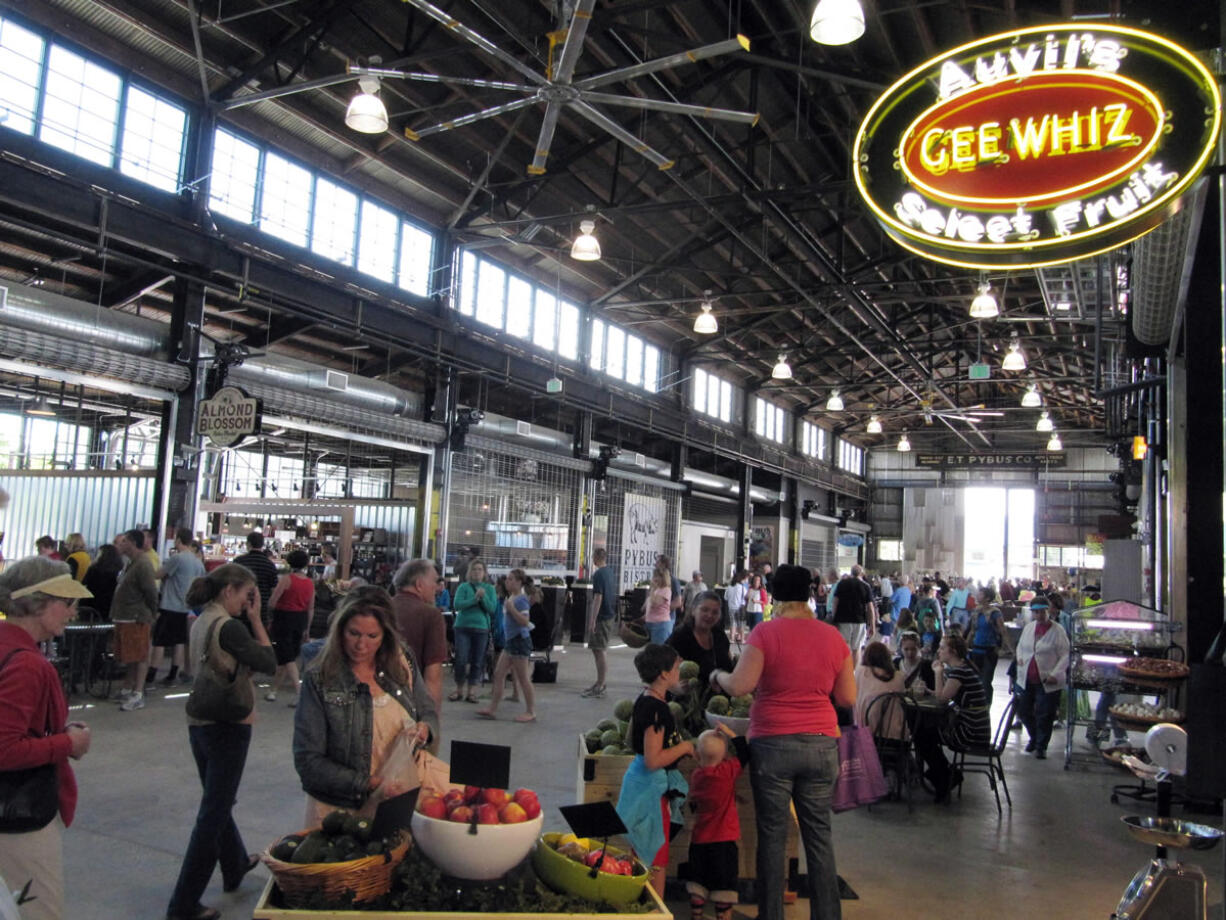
893 748
987 758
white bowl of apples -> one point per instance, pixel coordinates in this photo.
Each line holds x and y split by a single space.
477 833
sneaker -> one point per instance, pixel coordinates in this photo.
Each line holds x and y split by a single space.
593 692
132 703
271 696
120 695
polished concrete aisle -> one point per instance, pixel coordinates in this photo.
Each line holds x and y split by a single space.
1061 851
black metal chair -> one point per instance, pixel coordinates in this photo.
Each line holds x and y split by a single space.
893 749
987 758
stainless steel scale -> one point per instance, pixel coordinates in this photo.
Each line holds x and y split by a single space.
1165 889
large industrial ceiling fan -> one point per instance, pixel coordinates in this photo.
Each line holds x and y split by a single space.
557 89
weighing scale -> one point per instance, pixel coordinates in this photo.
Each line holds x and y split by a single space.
1165 889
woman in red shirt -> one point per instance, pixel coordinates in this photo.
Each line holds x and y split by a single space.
293 605
39 597
797 665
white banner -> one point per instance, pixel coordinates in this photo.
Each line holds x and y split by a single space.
642 537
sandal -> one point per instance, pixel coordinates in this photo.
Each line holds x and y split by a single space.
252 861
471 699
454 697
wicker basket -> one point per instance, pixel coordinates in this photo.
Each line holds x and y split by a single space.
368 877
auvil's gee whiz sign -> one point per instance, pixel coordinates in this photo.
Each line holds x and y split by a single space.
1038 146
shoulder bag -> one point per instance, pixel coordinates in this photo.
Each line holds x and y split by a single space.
29 798
860 780
217 696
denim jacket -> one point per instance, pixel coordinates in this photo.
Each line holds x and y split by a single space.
334 729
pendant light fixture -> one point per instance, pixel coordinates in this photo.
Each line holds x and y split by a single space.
984 305
835 402
836 22
1014 360
41 408
366 112
1031 398
874 425
782 370
904 445
704 322
1045 422
1054 443
586 248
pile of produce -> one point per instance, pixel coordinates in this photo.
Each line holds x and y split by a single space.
341 838
484 806
1146 712
737 707
590 853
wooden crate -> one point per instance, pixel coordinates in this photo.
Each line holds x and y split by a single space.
600 779
263 911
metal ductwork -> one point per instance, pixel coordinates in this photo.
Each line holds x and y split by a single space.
63 352
349 389
1161 269
292 401
39 310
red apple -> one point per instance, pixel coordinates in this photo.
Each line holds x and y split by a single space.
593 857
432 806
453 798
512 814
461 814
524 795
472 794
531 807
495 797
487 814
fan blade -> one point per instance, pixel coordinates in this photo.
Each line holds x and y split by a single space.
740 43
637 145
579 22
675 108
448 21
469 119
440 78
544 140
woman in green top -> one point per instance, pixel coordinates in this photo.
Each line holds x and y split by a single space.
475 603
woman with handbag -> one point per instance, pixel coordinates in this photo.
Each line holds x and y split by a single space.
38 793
801 669
358 697
220 712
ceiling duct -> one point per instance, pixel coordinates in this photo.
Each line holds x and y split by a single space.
1161 269
40 310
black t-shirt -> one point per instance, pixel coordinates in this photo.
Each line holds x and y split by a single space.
648 713
265 572
708 659
854 597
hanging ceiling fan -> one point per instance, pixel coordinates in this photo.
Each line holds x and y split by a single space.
557 88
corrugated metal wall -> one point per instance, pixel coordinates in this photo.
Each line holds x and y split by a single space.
95 503
399 520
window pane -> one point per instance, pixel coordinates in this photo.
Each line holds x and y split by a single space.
543 321
698 391
634 360
416 253
759 417
21 64
232 179
725 401
285 204
491 282
651 368
377 241
596 358
519 307
335 221
152 145
468 282
568 331
80 107
615 352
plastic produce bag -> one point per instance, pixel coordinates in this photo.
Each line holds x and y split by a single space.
397 776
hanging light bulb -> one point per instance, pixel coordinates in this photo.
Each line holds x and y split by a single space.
835 402
904 444
1031 398
1014 360
704 322
1044 423
366 112
586 247
984 305
836 22
782 370
874 425
1054 443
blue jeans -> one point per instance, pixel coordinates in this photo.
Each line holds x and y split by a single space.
470 655
220 750
800 770
659 632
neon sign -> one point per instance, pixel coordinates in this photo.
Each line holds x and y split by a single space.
1038 146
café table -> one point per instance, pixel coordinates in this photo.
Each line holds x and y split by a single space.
84 657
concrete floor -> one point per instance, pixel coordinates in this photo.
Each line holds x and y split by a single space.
1061 852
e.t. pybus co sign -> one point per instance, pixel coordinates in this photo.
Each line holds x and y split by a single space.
1038 146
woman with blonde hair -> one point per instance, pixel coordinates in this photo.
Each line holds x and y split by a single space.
657 616
78 559
517 654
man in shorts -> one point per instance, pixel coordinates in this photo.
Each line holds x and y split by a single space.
601 615
170 629
133 611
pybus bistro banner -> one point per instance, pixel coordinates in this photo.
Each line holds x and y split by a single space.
1037 146
642 537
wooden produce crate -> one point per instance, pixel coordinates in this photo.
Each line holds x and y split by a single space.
600 779
263 911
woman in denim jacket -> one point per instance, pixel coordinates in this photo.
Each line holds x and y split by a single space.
361 693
